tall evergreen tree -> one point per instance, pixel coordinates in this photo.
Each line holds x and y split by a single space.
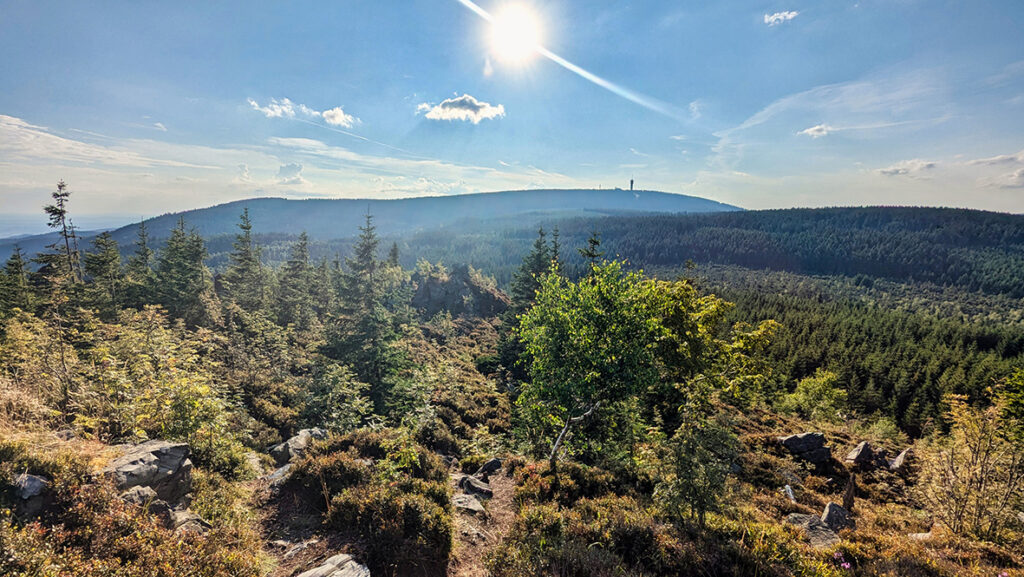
62 261
593 250
184 286
103 267
244 281
523 292
15 290
140 280
393 255
295 298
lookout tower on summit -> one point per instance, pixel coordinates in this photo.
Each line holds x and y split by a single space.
631 185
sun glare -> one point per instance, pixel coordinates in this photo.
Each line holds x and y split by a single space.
515 34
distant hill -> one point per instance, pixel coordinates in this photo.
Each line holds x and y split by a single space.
324 219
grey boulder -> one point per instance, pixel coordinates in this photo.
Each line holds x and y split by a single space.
296 446
31 493
467 504
808 447
488 467
473 485
837 518
160 465
897 465
338 566
818 534
862 454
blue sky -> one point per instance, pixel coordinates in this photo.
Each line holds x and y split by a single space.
149 107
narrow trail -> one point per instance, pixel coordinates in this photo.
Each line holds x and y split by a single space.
476 535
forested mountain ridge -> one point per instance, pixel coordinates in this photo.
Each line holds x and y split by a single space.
324 219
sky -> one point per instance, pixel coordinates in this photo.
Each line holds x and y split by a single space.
153 107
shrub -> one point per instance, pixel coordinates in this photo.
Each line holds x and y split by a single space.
816 398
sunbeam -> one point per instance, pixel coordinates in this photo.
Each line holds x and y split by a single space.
648 102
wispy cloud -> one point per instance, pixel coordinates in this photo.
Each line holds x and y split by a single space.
780 17
290 174
908 168
160 126
1001 159
817 131
464 108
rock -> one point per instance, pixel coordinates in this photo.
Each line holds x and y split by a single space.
788 492
809 447
458 292
471 533
837 518
861 454
449 460
488 467
185 521
296 446
160 465
278 477
1020 517
139 496
467 504
896 465
65 434
31 493
338 566
294 550
818 534
255 463
850 492
471 484
921 536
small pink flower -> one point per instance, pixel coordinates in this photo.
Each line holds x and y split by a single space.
845 565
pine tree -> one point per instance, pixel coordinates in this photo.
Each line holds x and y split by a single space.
393 255
62 262
295 299
523 292
184 286
15 290
593 251
244 282
140 280
103 267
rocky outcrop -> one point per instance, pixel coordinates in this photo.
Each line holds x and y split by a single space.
296 446
467 504
837 518
489 467
899 464
474 485
808 447
162 466
862 454
338 566
819 535
458 292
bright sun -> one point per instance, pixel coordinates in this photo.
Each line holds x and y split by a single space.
515 34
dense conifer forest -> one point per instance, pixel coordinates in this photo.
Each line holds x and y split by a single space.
802 392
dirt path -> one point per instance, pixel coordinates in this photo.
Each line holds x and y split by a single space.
476 535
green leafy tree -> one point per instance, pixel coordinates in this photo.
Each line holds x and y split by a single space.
103 267
589 346
244 282
338 401
818 398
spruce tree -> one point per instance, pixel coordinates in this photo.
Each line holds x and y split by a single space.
66 248
244 281
184 286
295 299
140 280
103 267
15 290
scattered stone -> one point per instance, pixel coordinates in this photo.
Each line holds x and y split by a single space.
338 566
861 454
161 465
850 493
488 467
471 534
788 492
139 495
31 493
921 536
818 534
809 447
467 504
294 550
837 518
65 434
185 521
791 478
471 484
278 477
896 465
449 460
296 446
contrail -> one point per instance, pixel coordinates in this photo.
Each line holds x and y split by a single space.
652 104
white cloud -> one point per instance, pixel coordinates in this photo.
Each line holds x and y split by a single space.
1014 179
160 126
780 17
695 109
285 108
465 108
337 117
907 168
678 137
817 131
290 174
1001 159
